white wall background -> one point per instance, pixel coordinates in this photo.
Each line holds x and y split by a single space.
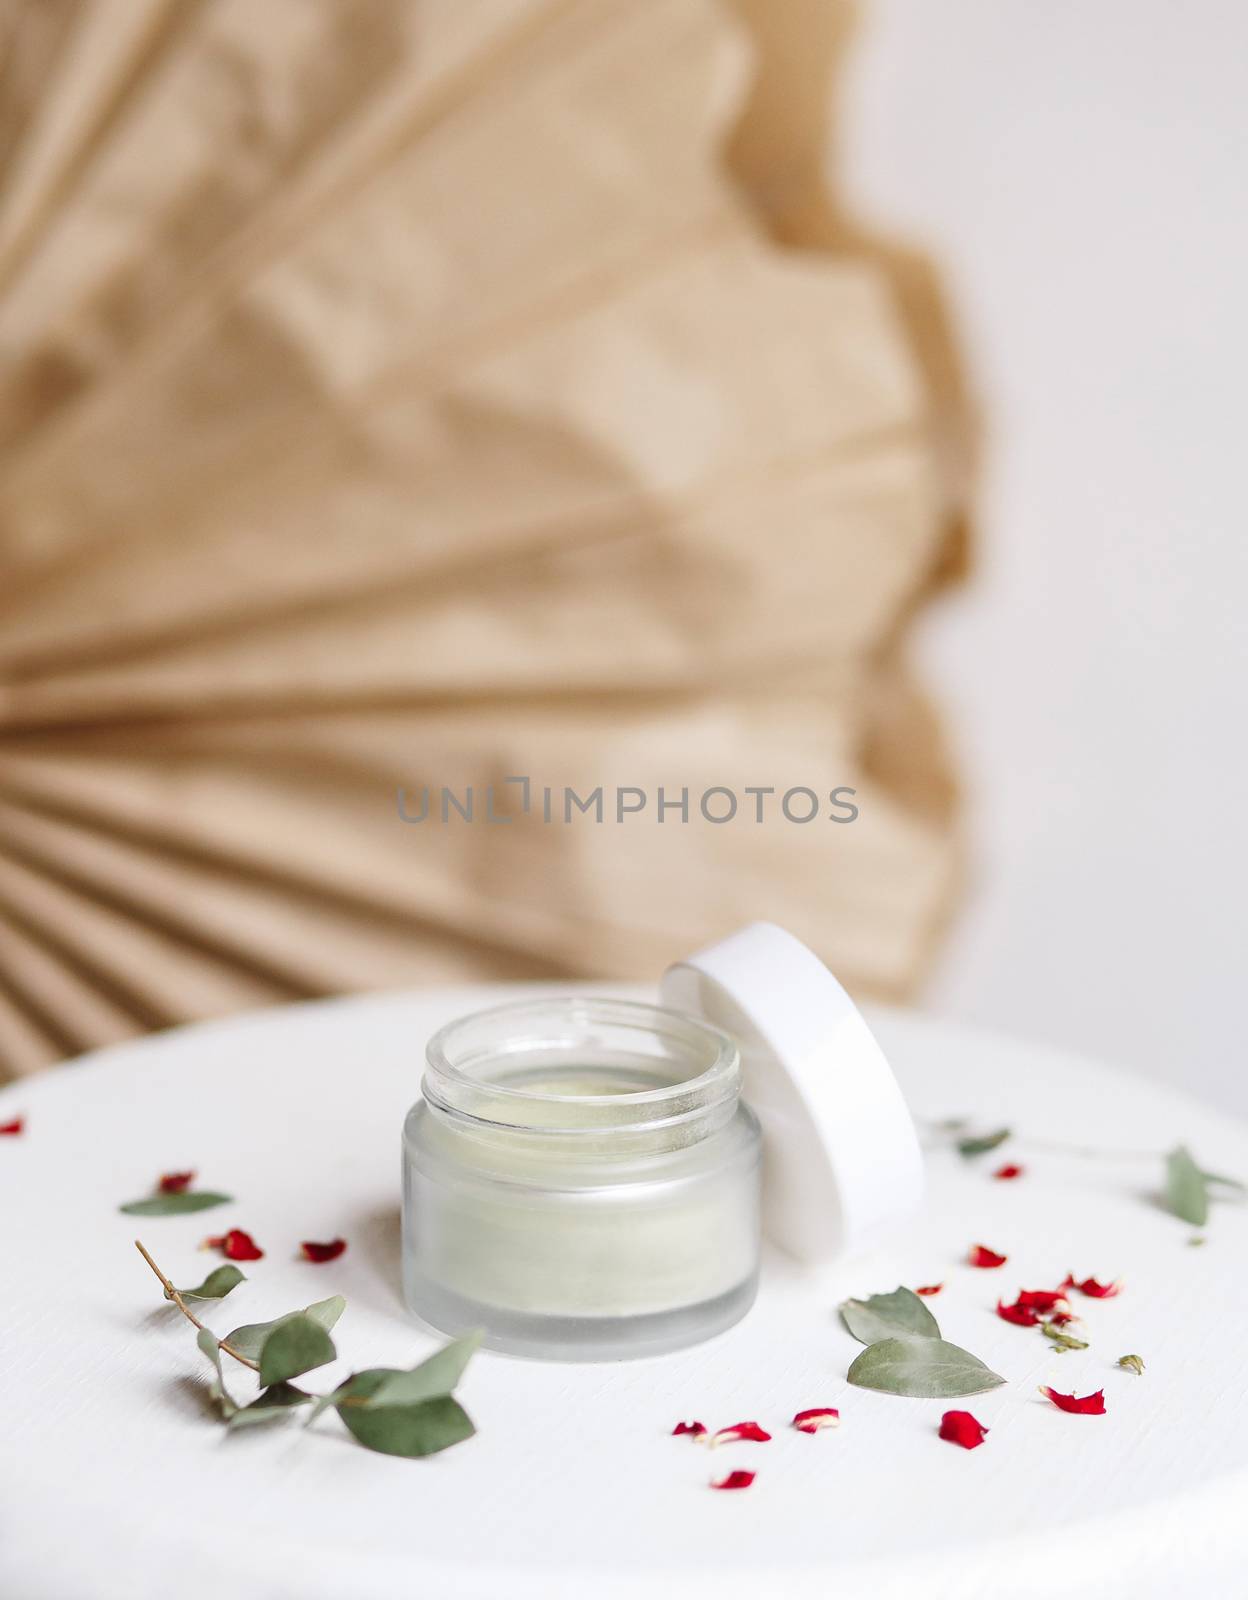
1081 167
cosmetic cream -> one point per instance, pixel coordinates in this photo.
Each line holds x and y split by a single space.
587 1178
581 1180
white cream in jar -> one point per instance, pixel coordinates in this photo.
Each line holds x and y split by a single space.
581 1180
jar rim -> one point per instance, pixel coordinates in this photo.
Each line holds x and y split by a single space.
454 1054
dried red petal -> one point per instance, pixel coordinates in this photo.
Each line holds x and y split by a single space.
1059 1319
733 1480
982 1256
1093 1289
235 1245
746 1432
930 1288
329 1251
1042 1299
18 1125
1022 1316
960 1427
697 1429
1089 1405
1009 1170
175 1182
816 1418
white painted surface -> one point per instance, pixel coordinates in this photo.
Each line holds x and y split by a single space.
115 1485
1079 167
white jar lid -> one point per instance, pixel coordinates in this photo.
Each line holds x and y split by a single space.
840 1152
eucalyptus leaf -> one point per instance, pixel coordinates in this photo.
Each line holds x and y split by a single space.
273 1402
208 1343
249 1339
176 1205
419 1429
926 1369
407 1412
216 1285
1186 1192
980 1144
297 1344
888 1316
432 1378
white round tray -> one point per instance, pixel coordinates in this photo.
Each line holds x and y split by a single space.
115 1482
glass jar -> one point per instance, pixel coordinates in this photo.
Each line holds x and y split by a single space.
581 1181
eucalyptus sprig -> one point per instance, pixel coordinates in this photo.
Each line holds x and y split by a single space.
905 1353
1187 1184
390 1410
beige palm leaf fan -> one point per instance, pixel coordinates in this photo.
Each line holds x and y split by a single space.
402 393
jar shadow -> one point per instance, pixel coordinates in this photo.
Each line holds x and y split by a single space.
376 1243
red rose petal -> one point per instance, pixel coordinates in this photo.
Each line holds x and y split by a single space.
930 1288
1093 1289
235 1245
1009 1170
697 1429
17 1125
1059 1319
1042 1299
175 1182
747 1432
960 1427
816 1418
1088 1405
323 1252
982 1256
733 1480
1022 1316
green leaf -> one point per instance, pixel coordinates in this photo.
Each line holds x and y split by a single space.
1186 1193
888 1316
1063 1341
432 1378
207 1342
420 1429
296 1345
215 1286
273 1402
249 1339
980 1144
399 1388
1132 1364
1226 1183
927 1369
176 1205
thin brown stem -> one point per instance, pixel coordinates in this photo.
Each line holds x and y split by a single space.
947 1133
1088 1152
172 1294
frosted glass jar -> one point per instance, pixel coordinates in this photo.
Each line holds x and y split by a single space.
581 1181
